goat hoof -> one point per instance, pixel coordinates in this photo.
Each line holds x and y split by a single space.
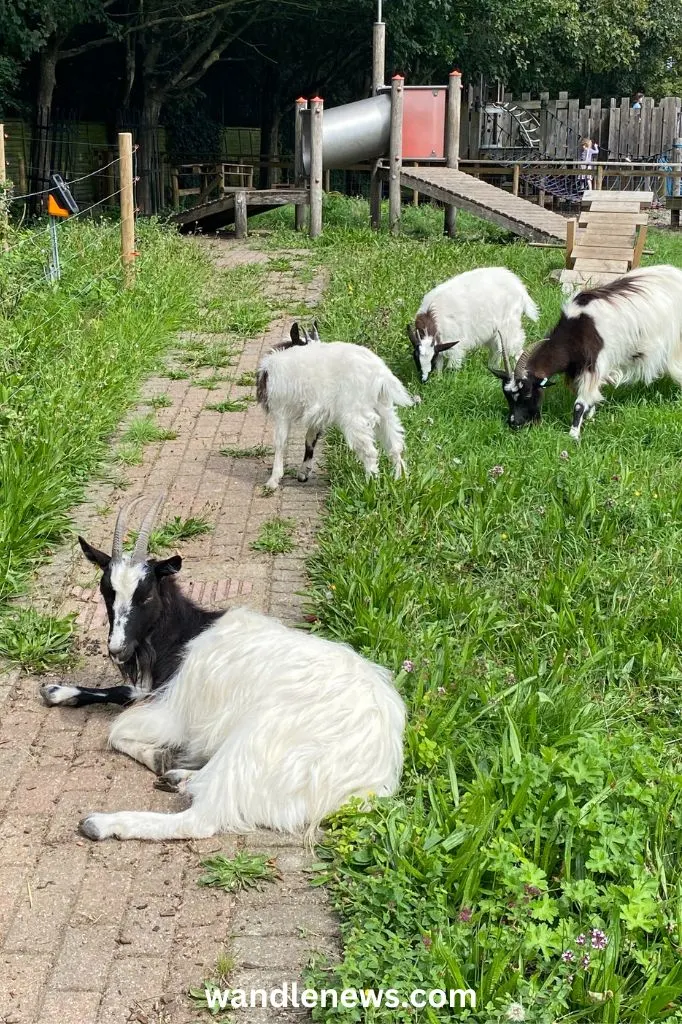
90 828
416 399
271 485
164 783
53 694
302 477
163 760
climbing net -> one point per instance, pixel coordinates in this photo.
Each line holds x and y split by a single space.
524 127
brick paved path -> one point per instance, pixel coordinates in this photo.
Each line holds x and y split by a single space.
116 932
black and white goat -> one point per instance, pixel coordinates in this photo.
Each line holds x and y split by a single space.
259 724
626 331
317 386
482 307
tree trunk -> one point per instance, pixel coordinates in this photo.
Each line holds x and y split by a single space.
40 173
150 185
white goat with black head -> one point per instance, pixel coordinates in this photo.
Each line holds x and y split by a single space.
627 331
259 724
317 386
482 307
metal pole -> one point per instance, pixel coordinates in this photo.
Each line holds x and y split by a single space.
378 54
677 157
452 123
299 176
55 271
316 121
395 153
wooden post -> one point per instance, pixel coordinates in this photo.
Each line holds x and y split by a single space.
375 197
299 174
571 225
378 52
516 174
316 116
125 152
600 177
452 122
415 197
175 188
395 153
3 181
541 198
327 180
240 215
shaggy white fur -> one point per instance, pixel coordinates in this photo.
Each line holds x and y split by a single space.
334 384
474 309
288 727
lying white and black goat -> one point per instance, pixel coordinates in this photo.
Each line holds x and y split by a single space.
482 307
627 331
317 386
259 724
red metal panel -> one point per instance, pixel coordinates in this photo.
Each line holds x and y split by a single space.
424 123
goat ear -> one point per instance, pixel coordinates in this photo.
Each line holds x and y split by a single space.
295 335
500 374
412 336
93 555
168 566
444 346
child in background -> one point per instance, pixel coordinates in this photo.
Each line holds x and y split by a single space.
587 154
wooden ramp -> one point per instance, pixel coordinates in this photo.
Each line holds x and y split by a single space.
608 238
486 201
234 206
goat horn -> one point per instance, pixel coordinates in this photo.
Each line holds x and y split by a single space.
520 370
505 357
142 543
120 528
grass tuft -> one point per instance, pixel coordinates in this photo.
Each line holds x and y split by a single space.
172 533
230 405
145 430
241 872
275 537
256 451
35 641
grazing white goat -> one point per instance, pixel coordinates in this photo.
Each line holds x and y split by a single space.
339 384
481 307
626 331
259 724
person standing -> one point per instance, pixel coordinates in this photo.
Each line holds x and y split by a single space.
588 151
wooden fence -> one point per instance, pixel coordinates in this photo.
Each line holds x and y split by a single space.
551 129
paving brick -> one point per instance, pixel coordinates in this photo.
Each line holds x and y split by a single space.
45 905
22 977
85 958
69 1007
21 838
285 917
134 985
12 890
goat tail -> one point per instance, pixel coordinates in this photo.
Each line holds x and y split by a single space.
392 391
529 307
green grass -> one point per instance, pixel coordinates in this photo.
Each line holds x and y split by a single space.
162 401
247 379
173 532
71 361
243 871
144 430
211 383
538 615
175 374
35 641
237 305
214 355
230 404
256 451
275 537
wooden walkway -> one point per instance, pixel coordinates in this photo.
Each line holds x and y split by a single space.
486 201
233 208
608 238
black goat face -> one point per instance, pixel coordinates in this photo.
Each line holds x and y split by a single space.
524 398
131 592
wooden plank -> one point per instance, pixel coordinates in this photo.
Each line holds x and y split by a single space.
644 146
615 207
586 277
596 237
573 130
595 120
602 266
669 126
598 219
612 196
624 132
614 127
598 252
571 225
656 131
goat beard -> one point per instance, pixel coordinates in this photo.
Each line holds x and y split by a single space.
140 666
